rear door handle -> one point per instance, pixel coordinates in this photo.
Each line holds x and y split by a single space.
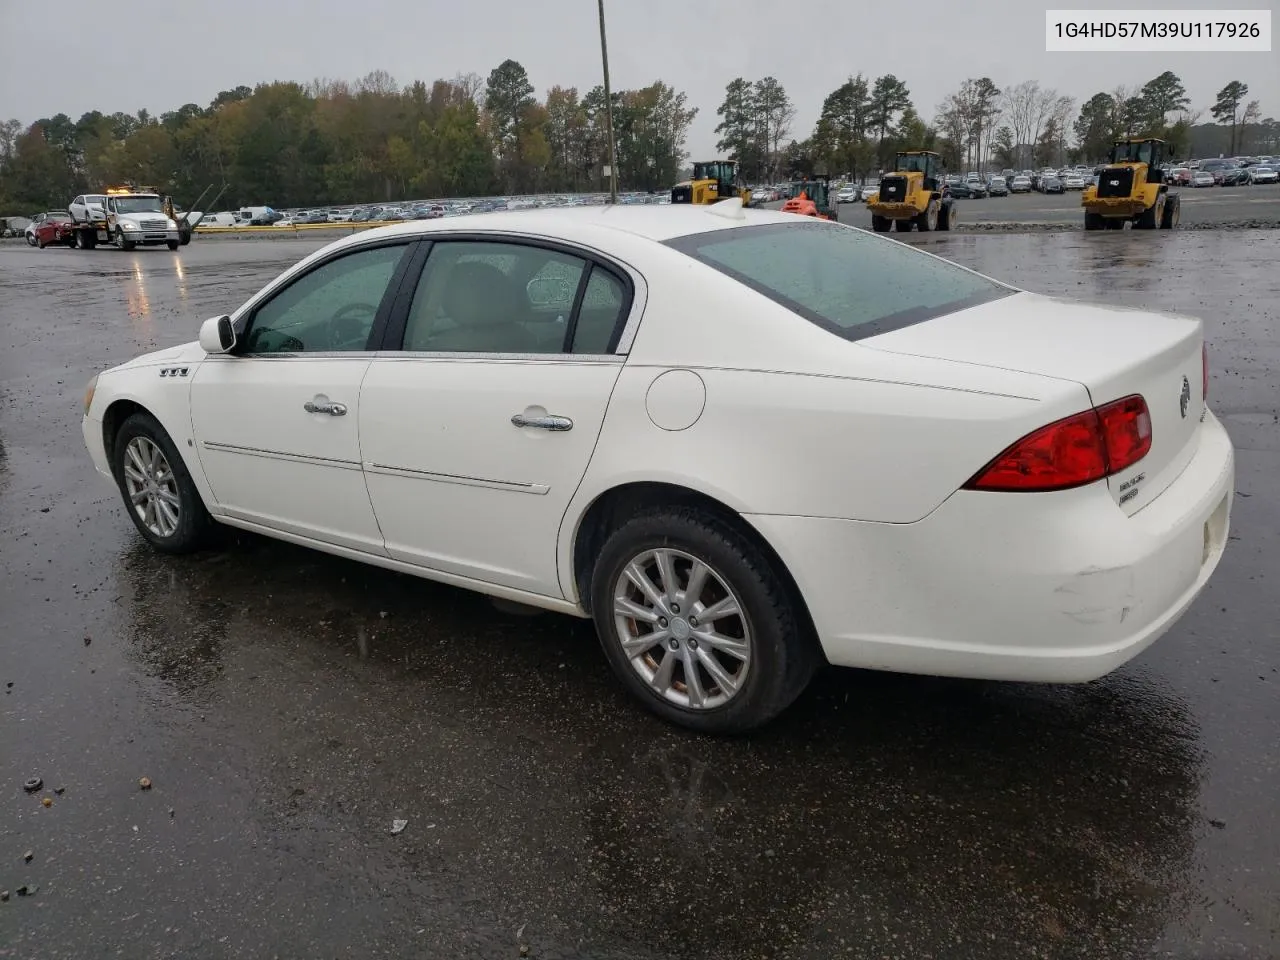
326 406
550 422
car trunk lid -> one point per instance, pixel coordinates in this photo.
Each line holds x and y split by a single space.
1113 352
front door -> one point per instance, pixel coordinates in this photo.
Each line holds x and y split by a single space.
476 433
276 422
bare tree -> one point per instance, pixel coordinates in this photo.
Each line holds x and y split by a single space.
1252 114
1030 107
472 85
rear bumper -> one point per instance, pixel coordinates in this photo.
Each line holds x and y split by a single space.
1060 587
895 211
1115 206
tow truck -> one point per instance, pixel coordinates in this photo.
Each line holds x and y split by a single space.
130 216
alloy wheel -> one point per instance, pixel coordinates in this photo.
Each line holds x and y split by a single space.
151 487
682 628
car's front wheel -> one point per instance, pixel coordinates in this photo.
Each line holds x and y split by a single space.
698 623
158 491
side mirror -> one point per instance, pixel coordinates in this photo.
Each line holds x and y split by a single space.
217 335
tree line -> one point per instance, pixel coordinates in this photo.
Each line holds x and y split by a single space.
865 122
331 141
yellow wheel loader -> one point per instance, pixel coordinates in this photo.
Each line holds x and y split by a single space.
713 181
914 195
1130 189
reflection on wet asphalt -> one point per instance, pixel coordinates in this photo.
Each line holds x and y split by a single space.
288 706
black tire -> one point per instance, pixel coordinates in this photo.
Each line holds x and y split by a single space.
122 243
928 221
904 225
1172 212
184 237
784 654
39 244
1150 218
195 526
31 240
880 224
173 244
1095 221
947 215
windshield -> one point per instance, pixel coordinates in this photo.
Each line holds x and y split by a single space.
849 282
1131 153
137 205
909 163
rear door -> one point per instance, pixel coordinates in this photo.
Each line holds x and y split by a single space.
477 428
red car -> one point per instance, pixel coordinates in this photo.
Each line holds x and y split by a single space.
54 228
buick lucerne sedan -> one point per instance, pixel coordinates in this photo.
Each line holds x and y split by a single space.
744 443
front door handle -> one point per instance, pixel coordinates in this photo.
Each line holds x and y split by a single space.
325 406
549 422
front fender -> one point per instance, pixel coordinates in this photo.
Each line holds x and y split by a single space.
162 389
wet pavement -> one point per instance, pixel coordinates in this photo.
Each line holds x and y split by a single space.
288 706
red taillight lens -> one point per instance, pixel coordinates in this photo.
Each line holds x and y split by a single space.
1073 451
1126 432
1204 356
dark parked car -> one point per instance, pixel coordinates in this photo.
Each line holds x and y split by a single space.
1234 176
960 190
997 187
1052 184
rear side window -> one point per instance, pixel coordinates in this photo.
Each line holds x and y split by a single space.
851 283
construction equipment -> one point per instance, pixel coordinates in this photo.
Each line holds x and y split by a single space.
811 198
1131 189
713 181
913 195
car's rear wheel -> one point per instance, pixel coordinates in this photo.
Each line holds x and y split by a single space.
698 623
158 491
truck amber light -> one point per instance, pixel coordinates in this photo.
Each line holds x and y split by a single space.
1072 452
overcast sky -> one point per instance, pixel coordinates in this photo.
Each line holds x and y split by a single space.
71 56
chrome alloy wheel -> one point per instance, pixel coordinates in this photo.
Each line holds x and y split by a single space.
152 488
682 628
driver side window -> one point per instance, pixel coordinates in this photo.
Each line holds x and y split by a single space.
332 308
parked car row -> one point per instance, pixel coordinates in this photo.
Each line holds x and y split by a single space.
1223 173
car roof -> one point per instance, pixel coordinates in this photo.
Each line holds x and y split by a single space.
650 221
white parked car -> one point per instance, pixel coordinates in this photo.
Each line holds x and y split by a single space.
1075 181
1020 184
87 207
733 438
1263 174
1202 178
848 194
224 219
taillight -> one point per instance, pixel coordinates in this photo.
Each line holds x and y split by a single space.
1073 451
1204 356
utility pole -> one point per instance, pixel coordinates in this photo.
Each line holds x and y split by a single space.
608 112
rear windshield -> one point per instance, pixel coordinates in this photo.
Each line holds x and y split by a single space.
850 282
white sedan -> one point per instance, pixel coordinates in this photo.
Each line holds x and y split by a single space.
738 440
